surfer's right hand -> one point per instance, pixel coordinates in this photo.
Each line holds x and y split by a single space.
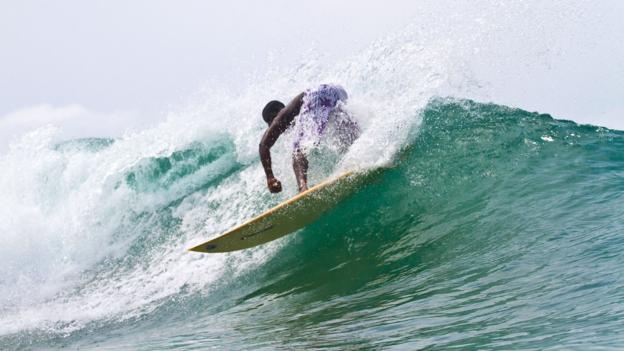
274 185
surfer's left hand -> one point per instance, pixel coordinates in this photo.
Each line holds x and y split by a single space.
274 185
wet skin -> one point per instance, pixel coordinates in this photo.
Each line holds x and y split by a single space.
282 121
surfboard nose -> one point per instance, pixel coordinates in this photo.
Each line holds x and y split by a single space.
203 248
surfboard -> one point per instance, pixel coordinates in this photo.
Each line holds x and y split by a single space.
290 215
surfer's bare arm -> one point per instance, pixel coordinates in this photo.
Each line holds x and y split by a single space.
281 122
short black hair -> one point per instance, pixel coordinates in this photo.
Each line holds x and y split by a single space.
271 110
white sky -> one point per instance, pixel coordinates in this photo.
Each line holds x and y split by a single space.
120 64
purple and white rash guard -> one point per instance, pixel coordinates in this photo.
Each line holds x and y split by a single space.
319 104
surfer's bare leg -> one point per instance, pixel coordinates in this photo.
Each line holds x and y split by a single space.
300 166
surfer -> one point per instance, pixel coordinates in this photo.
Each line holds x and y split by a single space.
309 113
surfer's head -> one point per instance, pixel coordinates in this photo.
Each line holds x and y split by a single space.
271 110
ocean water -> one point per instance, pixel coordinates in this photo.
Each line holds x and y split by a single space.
493 228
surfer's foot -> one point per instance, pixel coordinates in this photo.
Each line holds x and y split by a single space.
303 188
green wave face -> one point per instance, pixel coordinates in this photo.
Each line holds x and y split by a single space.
495 229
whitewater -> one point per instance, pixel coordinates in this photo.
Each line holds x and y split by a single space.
493 227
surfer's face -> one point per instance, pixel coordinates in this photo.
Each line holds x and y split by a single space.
271 110
272 116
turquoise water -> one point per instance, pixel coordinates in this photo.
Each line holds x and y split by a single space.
496 228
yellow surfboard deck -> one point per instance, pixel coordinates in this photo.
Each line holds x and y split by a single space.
290 215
